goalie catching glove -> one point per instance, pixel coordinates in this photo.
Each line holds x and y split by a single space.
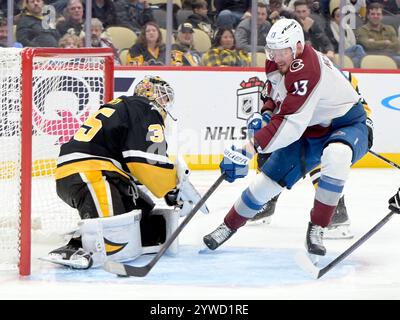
394 202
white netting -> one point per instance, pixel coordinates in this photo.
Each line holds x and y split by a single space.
65 91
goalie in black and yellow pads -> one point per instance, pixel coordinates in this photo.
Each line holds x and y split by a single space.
105 171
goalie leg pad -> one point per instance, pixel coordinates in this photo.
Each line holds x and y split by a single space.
114 238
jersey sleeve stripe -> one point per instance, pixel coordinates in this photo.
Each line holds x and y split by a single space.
77 156
151 157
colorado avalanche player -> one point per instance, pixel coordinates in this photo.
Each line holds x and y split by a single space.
316 118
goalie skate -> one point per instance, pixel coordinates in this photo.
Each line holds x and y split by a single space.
70 255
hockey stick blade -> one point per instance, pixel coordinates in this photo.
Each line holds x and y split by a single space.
304 262
126 270
318 273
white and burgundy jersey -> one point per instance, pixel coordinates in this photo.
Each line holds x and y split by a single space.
304 101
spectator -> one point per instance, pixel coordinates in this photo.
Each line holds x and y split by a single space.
353 50
278 11
4 35
182 51
69 41
4 10
59 5
74 22
224 52
100 40
33 29
378 38
314 33
388 6
133 14
149 48
243 30
104 10
230 12
199 19
360 6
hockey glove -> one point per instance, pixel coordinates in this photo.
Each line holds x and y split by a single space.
370 125
185 197
235 164
256 121
394 202
171 198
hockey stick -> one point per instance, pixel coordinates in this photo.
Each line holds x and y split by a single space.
384 159
306 264
132 271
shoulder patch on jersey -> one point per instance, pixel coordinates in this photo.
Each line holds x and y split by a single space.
296 65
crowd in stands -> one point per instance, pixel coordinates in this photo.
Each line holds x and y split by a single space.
371 28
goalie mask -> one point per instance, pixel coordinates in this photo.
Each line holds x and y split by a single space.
158 91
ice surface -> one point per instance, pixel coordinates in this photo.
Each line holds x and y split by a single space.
256 263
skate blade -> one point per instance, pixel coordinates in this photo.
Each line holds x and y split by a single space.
205 250
313 258
339 232
259 222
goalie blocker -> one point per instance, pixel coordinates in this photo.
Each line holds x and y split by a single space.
120 238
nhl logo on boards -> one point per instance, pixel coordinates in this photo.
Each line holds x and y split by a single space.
247 105
249 97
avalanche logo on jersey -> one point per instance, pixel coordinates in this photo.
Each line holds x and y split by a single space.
296 65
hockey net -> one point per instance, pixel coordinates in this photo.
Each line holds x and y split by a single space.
45 95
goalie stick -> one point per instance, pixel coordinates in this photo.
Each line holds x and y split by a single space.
305 263
126 270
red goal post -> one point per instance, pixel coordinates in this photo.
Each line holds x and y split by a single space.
49 77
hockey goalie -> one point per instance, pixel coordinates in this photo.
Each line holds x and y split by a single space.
106 171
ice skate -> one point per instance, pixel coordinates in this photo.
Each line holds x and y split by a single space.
71 255
214 239
264 216
314 237
339 228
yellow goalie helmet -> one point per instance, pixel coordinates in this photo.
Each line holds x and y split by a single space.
158 91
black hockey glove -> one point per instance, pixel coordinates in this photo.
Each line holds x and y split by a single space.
266 91
370 125
394 202
171 198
